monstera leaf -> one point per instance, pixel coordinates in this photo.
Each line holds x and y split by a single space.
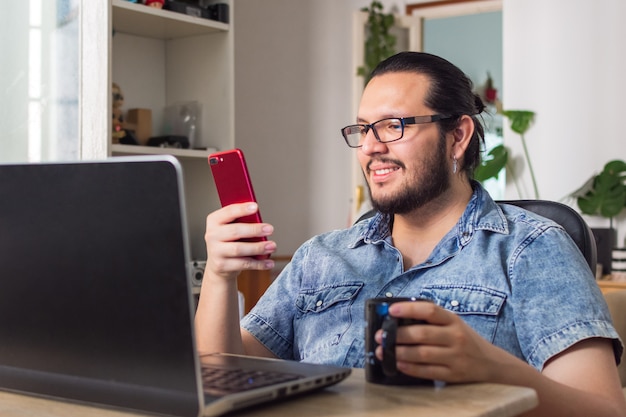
604 194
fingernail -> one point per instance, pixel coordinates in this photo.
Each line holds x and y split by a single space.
269 264
267 229
252 207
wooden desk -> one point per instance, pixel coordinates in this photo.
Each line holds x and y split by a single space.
608 285
352 397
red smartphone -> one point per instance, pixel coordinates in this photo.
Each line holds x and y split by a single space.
233 183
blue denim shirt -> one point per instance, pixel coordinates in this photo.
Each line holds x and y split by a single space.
516 278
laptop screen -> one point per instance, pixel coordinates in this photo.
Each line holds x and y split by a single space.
93 283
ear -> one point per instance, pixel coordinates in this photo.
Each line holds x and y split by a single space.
462 135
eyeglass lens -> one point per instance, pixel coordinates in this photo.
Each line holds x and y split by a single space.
386 130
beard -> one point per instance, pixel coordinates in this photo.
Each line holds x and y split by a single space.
421 188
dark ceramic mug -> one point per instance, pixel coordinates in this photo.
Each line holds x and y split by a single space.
377 317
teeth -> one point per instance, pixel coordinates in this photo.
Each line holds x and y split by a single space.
384 171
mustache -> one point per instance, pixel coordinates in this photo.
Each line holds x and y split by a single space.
384 161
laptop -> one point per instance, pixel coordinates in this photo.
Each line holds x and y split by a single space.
96 302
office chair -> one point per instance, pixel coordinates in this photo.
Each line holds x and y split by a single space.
567 217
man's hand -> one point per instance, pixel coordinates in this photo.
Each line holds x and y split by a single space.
226 254
445 349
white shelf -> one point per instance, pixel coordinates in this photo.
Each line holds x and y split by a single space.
153 150
141 20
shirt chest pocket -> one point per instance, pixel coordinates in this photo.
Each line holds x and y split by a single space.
479 307
321 299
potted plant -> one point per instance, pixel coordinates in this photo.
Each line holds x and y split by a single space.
380 43
498 158
604 195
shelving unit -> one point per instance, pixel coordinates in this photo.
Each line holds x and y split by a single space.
118 149
160 24
160 58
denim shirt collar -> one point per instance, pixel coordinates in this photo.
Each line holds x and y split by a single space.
481 213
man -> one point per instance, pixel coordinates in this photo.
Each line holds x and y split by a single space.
514 301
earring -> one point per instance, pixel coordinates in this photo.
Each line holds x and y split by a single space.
454 164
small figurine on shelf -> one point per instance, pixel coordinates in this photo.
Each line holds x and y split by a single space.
119 133
154 3
118 115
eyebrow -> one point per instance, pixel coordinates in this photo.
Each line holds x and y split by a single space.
360 120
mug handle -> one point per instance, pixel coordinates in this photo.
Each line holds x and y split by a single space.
390 328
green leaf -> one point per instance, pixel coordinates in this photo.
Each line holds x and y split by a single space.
616 166
492 164
520 120
588 205
607 195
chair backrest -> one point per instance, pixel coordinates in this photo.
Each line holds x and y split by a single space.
572 222
567 217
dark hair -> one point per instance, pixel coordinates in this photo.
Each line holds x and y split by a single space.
450 93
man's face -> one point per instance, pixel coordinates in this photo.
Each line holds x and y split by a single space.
403 175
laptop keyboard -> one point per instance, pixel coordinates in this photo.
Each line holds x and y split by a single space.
220 381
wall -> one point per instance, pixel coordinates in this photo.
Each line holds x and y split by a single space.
569 69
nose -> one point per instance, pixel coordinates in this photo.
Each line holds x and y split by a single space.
371 145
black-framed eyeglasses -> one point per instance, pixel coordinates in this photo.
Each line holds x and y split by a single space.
385 130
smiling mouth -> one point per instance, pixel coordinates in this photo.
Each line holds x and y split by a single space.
384 171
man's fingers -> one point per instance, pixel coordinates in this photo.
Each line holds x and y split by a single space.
232 212
422 310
